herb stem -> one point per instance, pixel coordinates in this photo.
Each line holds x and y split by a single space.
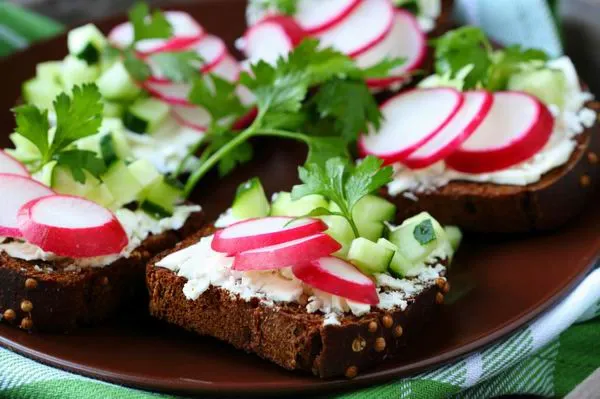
193 150
285 134
211 161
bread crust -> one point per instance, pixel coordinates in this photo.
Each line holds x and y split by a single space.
34 298
285 333
548 204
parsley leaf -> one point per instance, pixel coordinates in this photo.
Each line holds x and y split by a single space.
220 136
509 61
218 96
33 125
137 68
287 7
179 66
78 117
79 160
320 149
382 69
148 26
342 183
424 232
351 104
461 47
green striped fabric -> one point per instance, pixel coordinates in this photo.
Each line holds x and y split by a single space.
549 357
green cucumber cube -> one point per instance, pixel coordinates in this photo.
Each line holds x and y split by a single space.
369 257
122 184
283 205
250 200
116 84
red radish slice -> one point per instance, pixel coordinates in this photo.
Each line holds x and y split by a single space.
196 118
406 40
10 165
365 27
17 190
185 31
515 129
337 277
211 49
228 69
71 226
258 233
476 106
286 254
171 93
316 16
412 118
272 38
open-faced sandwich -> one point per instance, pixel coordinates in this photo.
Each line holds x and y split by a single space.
496 141
324 294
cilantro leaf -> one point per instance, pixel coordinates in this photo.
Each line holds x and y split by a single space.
461 47
218 96
33 125
382 69
178 66
351 104
320 149
219 136
424 232
78 117
318 64
509 61
79 160
148 26
342 183
137 68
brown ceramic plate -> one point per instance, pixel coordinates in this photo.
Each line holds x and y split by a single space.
499 283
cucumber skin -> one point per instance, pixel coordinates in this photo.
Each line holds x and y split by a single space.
369 257
250 200
283 205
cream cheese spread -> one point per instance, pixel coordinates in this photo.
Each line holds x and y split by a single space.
137 224
203 268
570 121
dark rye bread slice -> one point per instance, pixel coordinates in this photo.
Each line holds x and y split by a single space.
35 298
558 197
285 333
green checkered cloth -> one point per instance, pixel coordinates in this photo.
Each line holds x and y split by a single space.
548 357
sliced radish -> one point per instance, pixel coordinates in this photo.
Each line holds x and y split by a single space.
171 93
286 254
406 40
185 32
258 233
211 49
316 16
17 190
271 38
476 106
365 27
337 277
228 68
196 118
10 165
72 227
515 129
411 119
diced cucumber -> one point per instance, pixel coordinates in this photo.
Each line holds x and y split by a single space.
64 183
77 72
113 110
115 127
161 199
548 85
146 174
86 43
101 195
41 93
107 149
372 207
283 205
454 236
399 266
145 115
122 184
250 200
50 71
116 83
341 231
369 214
369 257
24 150
44 176
417 237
